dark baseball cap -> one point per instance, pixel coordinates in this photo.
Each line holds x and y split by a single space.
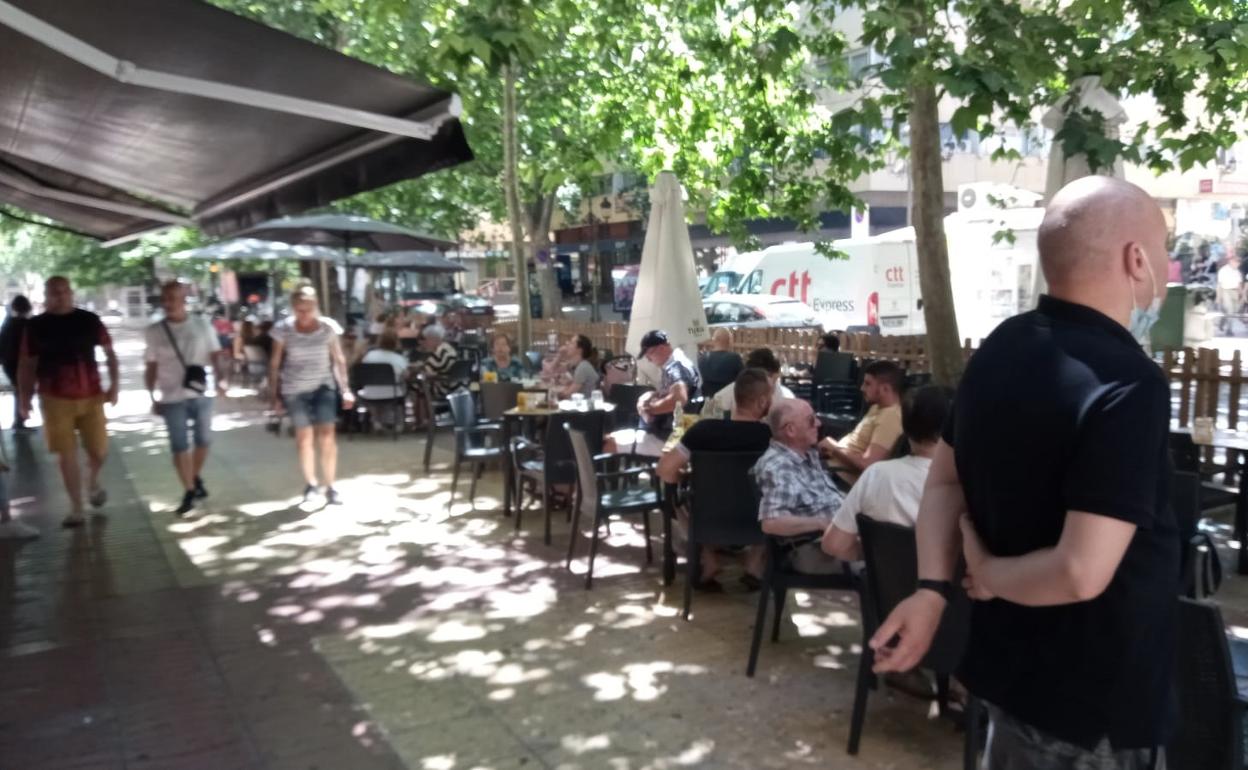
652 339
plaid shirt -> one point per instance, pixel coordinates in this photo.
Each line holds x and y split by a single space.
795 484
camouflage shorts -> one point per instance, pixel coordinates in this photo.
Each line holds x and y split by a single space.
1013 745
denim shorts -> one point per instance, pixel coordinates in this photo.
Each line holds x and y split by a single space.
313 407
192 416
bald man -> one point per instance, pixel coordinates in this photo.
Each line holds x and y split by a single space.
1051 479
720 365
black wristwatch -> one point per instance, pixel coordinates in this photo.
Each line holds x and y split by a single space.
942 587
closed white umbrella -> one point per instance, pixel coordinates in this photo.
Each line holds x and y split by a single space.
667 295
1088 94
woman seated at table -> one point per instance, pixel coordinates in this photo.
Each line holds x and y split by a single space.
386 352
501 362
581 359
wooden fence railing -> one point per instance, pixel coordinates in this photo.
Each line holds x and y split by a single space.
791 345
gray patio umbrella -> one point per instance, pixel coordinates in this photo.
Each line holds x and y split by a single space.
347 231
253 248
410 261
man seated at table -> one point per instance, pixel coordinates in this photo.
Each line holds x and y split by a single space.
799 498
679 382
891 490
744 432
762 358
720 365
878 431
435 369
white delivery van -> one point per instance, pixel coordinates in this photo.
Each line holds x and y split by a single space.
728 277
837 289
877 281
993 278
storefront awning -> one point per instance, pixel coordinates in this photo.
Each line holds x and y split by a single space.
122 116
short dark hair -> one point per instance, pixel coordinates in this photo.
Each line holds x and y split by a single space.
750 386
886 373
764 359
923 413
831 341
20 304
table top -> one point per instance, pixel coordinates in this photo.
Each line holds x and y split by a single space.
1222 439
565 407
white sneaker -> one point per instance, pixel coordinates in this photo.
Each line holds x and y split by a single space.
15 530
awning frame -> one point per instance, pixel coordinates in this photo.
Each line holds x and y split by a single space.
128 72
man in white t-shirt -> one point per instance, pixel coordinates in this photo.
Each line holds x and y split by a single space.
891 490
724 401
1230 284
181 350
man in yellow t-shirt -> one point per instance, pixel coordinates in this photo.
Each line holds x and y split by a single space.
877 433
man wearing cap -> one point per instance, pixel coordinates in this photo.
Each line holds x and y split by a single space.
679 381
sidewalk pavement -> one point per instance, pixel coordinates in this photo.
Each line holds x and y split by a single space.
391 632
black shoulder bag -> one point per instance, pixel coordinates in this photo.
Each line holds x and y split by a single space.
193 377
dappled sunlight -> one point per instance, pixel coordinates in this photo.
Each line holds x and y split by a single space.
465 639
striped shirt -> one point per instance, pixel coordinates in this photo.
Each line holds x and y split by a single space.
438 368
306 363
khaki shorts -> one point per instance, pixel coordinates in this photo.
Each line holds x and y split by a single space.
62 417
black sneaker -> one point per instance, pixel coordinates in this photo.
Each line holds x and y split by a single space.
199 490
308 491
188 503
332 497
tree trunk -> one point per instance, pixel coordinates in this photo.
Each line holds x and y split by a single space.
944 349
540 213
512 193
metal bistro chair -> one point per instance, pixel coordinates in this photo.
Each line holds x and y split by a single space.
625 399
439 408
380 376
604 494
1210 730
255 368
472 441
778 578
553 462
891 558
498 397
723 508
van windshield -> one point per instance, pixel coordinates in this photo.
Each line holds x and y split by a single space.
722 282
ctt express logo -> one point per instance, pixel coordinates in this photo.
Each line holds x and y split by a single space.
800 282
895 276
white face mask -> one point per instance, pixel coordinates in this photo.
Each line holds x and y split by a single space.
1143 320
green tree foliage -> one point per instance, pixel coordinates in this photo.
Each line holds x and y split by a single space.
1006 62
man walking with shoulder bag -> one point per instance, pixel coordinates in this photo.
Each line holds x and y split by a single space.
180 350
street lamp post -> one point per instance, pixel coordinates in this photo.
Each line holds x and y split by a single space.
595 280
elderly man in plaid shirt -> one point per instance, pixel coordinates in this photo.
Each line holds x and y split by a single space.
799 497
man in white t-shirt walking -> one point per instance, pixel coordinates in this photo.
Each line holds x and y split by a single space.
180 351
1230 289
891 490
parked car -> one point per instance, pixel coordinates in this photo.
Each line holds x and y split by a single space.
758 311
475 312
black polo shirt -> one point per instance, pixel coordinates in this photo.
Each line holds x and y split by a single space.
1061 410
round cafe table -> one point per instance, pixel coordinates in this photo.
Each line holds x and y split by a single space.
517 416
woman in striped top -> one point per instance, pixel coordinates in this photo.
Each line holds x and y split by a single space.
309 373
